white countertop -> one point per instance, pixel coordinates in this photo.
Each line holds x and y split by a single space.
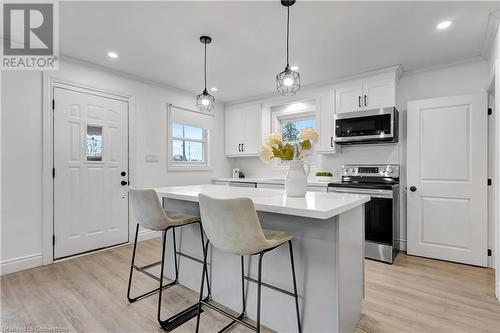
317 205
277 181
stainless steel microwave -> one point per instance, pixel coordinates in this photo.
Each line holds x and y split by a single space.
371 126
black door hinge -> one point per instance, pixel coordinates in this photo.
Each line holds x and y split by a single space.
489 182
53 240
53 172
490 111
53 104
489 252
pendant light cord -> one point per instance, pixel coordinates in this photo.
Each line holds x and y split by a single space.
287 34
205 65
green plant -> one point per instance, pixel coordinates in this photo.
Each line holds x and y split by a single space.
324 174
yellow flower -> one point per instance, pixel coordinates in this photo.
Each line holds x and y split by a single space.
309 134
274 140
266 153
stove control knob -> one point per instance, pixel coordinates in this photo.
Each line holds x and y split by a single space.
389 170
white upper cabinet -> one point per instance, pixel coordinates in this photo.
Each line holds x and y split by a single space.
233 133
325 123
348 97
243 130
367 93
379 93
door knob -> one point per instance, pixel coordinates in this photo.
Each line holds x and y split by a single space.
124 183
413 188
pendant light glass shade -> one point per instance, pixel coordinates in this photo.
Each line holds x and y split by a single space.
204 101
288 81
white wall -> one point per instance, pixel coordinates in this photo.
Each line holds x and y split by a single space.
465 78
21 216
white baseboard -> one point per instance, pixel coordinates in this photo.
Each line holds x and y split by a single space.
21 263
147 234
497 291
402 245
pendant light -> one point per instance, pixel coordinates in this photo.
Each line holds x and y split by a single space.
288 81
205 101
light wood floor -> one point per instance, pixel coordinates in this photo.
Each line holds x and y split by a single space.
88 294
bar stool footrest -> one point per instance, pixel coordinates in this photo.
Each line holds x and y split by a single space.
177 320
230 316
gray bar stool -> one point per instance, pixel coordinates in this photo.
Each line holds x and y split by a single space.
232 226
150 215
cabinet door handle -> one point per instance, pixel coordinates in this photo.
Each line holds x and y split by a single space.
242 147
359 101
239 146
365 101
331 142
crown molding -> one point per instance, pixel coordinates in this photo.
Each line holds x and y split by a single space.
397 69
471 60
491 33
130 76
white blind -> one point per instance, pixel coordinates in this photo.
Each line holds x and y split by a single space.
189 117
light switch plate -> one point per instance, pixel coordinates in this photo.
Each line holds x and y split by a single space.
152 158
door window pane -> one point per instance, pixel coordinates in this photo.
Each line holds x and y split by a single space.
94 143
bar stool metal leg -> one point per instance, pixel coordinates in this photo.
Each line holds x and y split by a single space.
259 287
164 241
206 271
143 270
183 316
243 296
205 250
299 326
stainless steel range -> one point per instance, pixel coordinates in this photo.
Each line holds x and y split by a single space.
381 182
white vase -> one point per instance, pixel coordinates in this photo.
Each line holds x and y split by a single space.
296 178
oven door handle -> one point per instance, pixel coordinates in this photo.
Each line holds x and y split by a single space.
388 194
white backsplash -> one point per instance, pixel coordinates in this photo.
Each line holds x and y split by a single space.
253 167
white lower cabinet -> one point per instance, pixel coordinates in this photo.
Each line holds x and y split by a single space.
272 186
317 188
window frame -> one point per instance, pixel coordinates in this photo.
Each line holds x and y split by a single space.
282 114
173 165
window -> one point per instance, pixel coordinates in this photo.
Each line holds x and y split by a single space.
188 144
188 139
290 128
290 119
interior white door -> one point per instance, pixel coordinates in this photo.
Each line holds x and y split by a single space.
447 185
91 162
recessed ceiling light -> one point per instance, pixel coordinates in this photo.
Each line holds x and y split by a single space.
213 89
294 68
113 55
443 25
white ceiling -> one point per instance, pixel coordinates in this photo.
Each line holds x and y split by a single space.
159 40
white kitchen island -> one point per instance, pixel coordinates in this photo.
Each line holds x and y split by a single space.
328 231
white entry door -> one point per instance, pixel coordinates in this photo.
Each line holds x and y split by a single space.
91 162
447 184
